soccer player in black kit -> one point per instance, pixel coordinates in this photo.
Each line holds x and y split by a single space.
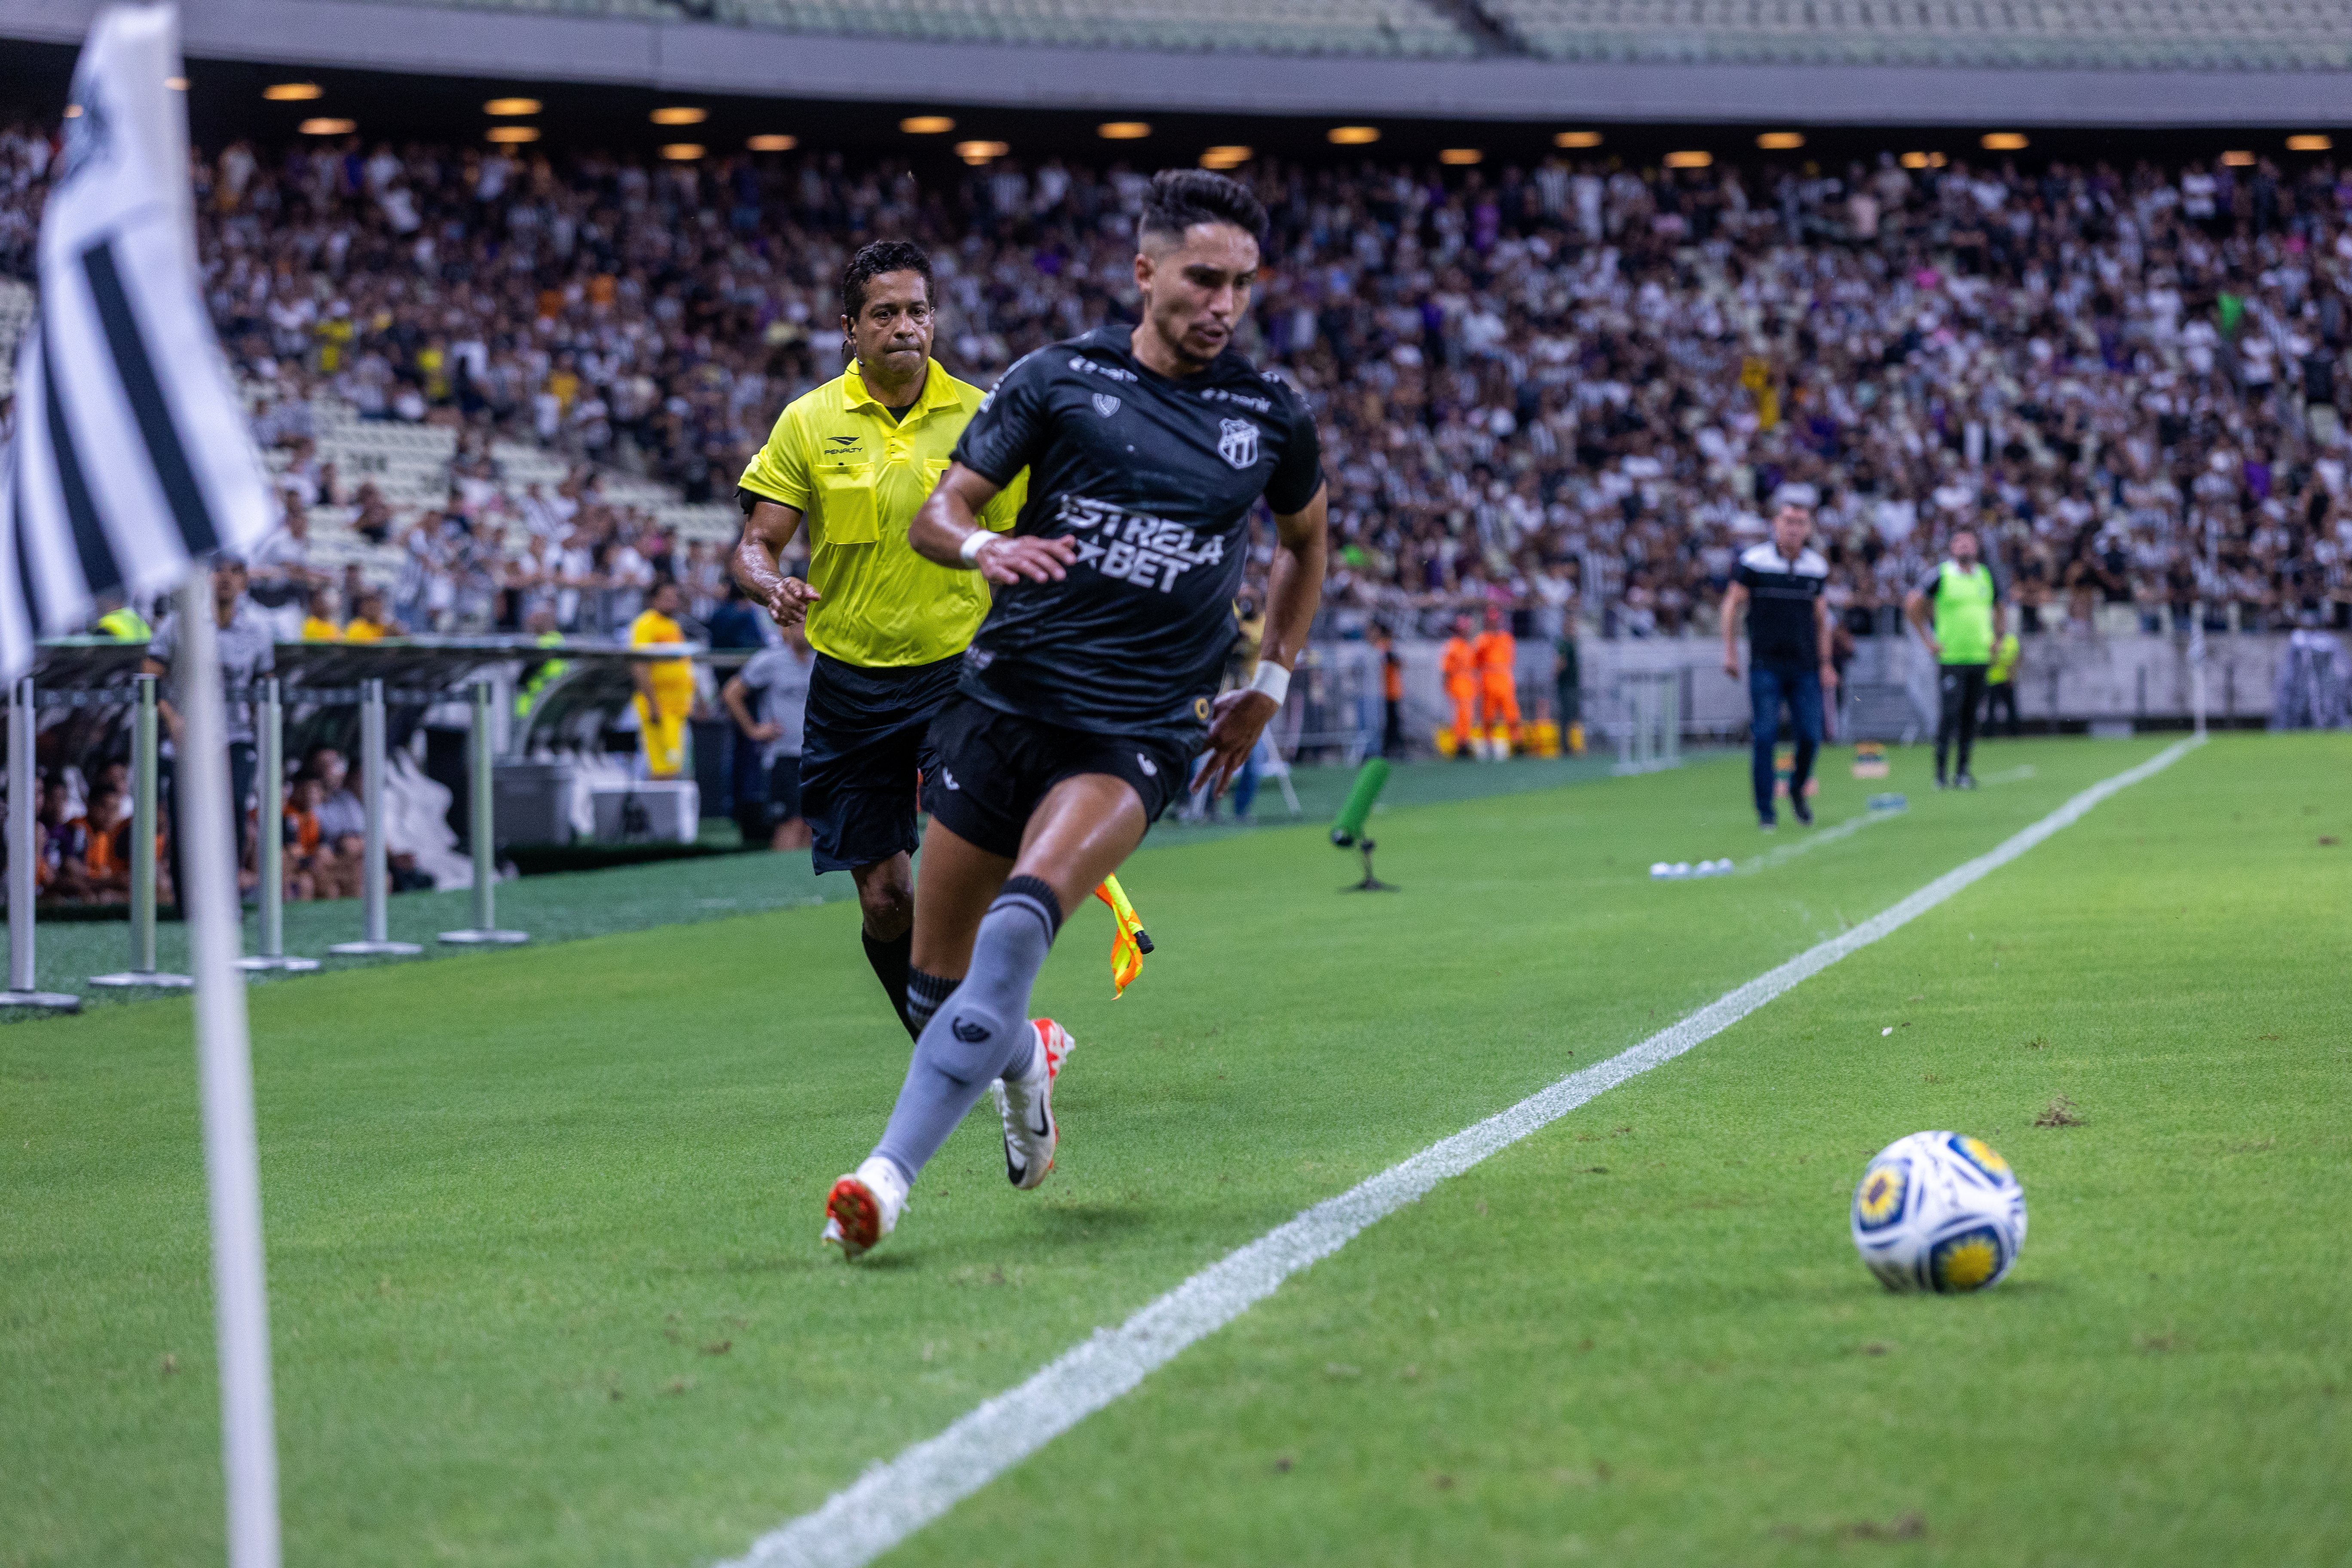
1091 687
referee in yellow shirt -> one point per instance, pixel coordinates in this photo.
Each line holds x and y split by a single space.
854 461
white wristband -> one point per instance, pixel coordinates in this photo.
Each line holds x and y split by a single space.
968 551
1272 679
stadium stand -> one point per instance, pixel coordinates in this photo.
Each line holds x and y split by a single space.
2207 34
2111 35
1378 27
1572 388
1297 27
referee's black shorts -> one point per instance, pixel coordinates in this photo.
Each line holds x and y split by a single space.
865 753
994 767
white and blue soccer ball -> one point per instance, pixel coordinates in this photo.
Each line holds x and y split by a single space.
1938 1210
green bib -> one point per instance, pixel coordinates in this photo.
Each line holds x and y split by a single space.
1964 614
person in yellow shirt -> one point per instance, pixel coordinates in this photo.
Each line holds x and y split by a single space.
853 461
665 686
368 622
319 621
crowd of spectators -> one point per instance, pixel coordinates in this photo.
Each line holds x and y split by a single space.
1574 389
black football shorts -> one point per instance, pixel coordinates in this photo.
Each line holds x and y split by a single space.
993 768
863 754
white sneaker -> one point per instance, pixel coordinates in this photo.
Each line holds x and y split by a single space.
1027 1104
863 1206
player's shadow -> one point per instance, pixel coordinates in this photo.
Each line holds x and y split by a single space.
1079 1221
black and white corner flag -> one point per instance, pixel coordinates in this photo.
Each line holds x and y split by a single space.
132 454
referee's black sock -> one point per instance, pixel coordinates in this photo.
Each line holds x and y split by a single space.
891 960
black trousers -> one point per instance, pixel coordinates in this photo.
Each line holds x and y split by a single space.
1963 690
2000 699
1391 728
244 762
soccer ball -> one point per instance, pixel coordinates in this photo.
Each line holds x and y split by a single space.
1938 1210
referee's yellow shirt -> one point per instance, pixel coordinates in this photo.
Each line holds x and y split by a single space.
857 477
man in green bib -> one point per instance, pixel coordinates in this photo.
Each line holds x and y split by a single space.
1966 623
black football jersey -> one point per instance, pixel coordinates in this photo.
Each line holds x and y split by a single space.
1154 480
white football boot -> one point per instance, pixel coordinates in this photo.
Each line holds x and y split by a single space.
863 1206
1027 1104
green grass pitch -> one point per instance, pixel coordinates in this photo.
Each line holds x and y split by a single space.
546 1286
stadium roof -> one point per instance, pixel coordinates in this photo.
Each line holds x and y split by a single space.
1822 62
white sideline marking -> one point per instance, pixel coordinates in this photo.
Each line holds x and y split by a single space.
1781 855
892 1501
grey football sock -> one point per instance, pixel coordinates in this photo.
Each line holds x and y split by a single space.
982 1033
924 995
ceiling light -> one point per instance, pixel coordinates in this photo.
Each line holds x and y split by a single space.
1575 138
1352 135
1226 157
1123 129
981 152
293 91
679 114
2004 141
2238 160
511 135
772 144
926 125
1460 157
1923 160
1692 159
327 127
682 151
1780 140
504 106
2309 144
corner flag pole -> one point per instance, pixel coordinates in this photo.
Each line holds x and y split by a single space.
132 465
225 1067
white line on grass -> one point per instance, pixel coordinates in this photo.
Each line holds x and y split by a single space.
891 1502
1781 855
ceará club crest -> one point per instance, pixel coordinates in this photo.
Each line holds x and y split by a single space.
1237 443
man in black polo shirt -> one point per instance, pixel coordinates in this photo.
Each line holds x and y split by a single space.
1779 583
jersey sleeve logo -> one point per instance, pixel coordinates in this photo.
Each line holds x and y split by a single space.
1237 443
1106 405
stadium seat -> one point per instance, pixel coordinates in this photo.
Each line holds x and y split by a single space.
2212 34
1397 28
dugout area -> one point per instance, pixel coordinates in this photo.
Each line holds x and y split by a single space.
546 1286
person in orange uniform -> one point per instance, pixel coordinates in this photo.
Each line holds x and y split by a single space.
1459 665
665 687
1498 653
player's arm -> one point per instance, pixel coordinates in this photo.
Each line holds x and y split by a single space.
732 694
1827 626
1914 610
1294 589
757 561
1735 600
947 532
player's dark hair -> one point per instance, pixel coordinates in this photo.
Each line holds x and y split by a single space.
873 260
1180 198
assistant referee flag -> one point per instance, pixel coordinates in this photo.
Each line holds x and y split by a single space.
132 456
